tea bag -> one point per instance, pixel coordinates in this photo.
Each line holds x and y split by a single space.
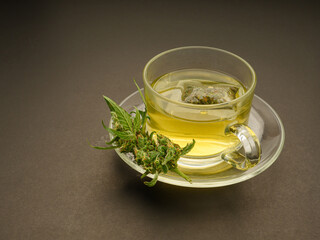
209 94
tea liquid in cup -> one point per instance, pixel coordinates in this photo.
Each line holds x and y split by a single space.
204 94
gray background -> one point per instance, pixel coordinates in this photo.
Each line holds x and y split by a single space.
56 62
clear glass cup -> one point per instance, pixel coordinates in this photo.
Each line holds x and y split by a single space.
223 139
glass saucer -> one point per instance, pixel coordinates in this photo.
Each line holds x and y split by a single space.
263 120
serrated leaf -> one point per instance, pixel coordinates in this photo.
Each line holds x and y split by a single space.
102 148
111 108
143 115
123 117
137 121
140 92
124 135
188 148
104 126
113 140
143 120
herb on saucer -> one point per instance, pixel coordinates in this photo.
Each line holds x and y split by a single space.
154 152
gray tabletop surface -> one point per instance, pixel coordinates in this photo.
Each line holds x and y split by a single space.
58 59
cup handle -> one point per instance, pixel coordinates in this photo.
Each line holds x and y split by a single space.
248 153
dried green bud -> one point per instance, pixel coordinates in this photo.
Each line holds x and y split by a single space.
155 157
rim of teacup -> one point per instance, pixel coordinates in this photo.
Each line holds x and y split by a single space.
190 105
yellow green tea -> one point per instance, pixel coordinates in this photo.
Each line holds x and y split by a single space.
188 109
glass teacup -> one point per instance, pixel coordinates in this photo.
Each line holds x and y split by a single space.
205 94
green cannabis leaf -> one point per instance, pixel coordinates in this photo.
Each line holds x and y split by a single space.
154 152
123 117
